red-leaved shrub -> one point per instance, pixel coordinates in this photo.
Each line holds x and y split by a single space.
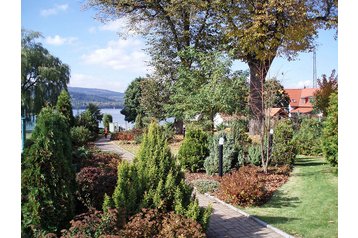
251 186
99 176
126 135
242 187
95 224
152 223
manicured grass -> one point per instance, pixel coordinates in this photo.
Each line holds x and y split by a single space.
307 205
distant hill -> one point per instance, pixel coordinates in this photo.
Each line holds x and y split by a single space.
101 97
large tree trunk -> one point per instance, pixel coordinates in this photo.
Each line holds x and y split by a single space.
258 72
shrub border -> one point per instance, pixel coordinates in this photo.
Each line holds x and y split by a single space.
284 234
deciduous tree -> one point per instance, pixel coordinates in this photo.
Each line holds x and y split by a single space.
132 97
327 86
43 76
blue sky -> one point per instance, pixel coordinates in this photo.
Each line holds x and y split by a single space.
99 58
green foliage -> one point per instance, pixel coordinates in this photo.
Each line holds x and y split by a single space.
108 203
254 154
153 98
153 180
138 124
80 135
283 148
128 192
326 88
132 100
43 76
205 185
168 130
308 138
230 153
194 150
330 132
275 95
64 106
87 120
216 88
107 118
47 179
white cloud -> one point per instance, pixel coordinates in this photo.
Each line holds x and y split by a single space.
116 25
58 40
55 10
120 55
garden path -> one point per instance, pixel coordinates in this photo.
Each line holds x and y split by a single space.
225 221
105 144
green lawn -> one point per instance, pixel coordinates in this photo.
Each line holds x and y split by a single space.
307 205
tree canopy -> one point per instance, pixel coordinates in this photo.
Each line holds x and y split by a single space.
43 76
132 97
327 86
216 88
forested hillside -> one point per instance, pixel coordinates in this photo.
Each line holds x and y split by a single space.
80 97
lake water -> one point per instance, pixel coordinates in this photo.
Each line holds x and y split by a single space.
116 114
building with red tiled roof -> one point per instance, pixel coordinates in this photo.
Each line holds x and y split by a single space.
301 99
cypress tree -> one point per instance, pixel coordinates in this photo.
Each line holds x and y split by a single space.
48 180
64 106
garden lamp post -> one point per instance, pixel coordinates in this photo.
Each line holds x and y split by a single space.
270 141
221 147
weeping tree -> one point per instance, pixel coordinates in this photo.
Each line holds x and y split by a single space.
43 76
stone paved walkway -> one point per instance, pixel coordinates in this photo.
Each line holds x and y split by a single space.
105 144
224 221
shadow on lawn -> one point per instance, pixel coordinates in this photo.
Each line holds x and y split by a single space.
309 162
283 201
274 220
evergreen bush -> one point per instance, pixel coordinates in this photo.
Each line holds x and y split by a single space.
308 138
230 154
283 149
194 150
80 136
64 106
154 180
87 120
254 154
47 179
330 132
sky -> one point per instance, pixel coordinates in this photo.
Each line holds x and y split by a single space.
106 56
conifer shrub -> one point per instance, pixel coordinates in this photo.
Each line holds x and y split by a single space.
64 106
330 132
194 150
283 148
87 120
230 154
47 179
80 136
254 154
308 138
243 187
154 180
